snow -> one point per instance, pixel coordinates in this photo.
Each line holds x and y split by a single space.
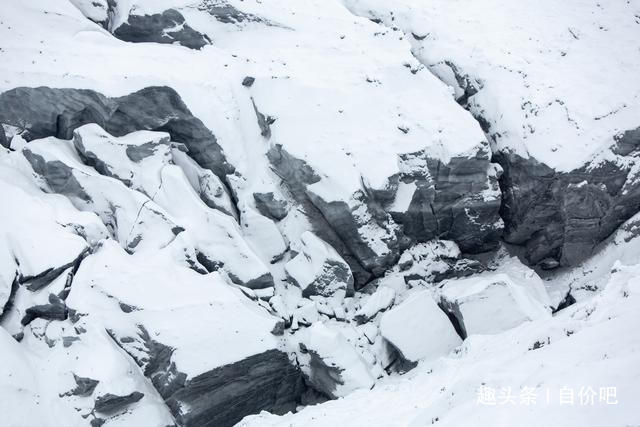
361 104
314 268
216 315
540 87
419 329
581 348
379 301
330 345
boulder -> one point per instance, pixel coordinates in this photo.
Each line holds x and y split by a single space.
330 363
227 365
435 261
110 403
419 329
562 216
317 269
493 302
40 112
381 300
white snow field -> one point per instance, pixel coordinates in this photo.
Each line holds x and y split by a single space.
319 213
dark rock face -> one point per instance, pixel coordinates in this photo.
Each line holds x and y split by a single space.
3 138
562 216
84 386
37 282
223 396
271 207
449 202
323 377
41 112
333 222
166 27
109 403
264 121
55 310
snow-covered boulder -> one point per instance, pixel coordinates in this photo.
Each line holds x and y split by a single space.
419 329
207 349
41 112
167 26
156 204
208 185
331 364
318 269
435 261
493 302
379 301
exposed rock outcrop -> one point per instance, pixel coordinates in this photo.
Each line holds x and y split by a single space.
493 302
229 363
166 27
564 215
110 403
458 200
354 231
318 269
40 112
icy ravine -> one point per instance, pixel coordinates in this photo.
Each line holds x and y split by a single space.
246 210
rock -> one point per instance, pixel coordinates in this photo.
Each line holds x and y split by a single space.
95 10
226 13
55 310
41 112
212 190
264 121
248 81
217 237
458 200
263 236
435 261
562 216
382 299
109 403
318 269
330 363
271 206
84 386
222 397
493 302
419 329
136 222
166 27
354 230
200 383
135 159
3 138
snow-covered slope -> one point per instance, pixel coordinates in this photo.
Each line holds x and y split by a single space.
294 212
555 87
